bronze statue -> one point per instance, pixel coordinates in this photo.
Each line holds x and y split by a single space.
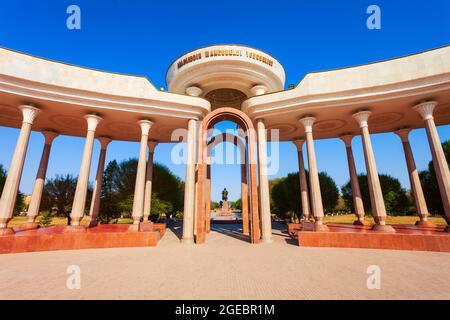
225 194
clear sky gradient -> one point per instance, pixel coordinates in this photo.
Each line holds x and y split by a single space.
144 37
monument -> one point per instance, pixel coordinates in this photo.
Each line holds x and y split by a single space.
224 207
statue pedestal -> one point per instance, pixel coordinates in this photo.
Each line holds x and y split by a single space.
225 208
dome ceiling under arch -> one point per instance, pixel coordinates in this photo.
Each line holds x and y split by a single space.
226 97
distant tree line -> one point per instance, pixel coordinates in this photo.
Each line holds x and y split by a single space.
20 204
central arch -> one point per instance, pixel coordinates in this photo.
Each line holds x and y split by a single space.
213 142
244 122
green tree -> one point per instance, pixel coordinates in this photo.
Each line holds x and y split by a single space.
395 197
285 194
20 204
430 185
237 205
45 219
118 190
59 193
215 205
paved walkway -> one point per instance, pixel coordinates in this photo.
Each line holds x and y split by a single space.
225 268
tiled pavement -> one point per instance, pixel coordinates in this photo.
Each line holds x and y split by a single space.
226 267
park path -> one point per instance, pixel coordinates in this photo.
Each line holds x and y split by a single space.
225 267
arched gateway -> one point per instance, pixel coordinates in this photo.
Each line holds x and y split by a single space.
246 124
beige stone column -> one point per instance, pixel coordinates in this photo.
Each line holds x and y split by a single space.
12 182
356 191
303 182
36 196
189 186
440 163
95 203
149 180
244 199
416 187
316 196
266 223
376 196
139 188
208 198
79 201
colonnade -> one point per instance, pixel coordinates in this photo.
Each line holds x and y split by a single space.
143 187
310 195
425 109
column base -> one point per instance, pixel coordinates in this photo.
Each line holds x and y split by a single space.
360 223
29 226
146 226
266 240
383 228
93 223
425 224
75 229
6 232
133 228
320 227
187 241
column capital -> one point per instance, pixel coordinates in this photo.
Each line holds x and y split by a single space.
362 117
426 109
152 145
299 143
104 141
49 136
29 113
403 134
307 123
145 126
194 91
258 90
92 121
347 139
260 120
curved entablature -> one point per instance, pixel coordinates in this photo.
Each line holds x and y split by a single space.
389 89
225 74
120 99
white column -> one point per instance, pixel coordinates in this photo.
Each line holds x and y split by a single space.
376 196
149 180
95 203
139 189
79 201
414 179
440 163
314 185
356 191
303 180
12 182
189 194
266 222
36 196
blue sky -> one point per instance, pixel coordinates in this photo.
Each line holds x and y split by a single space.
144 37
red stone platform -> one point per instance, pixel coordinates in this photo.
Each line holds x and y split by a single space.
101 236
407 237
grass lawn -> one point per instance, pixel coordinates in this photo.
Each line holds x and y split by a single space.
347 218
57 221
